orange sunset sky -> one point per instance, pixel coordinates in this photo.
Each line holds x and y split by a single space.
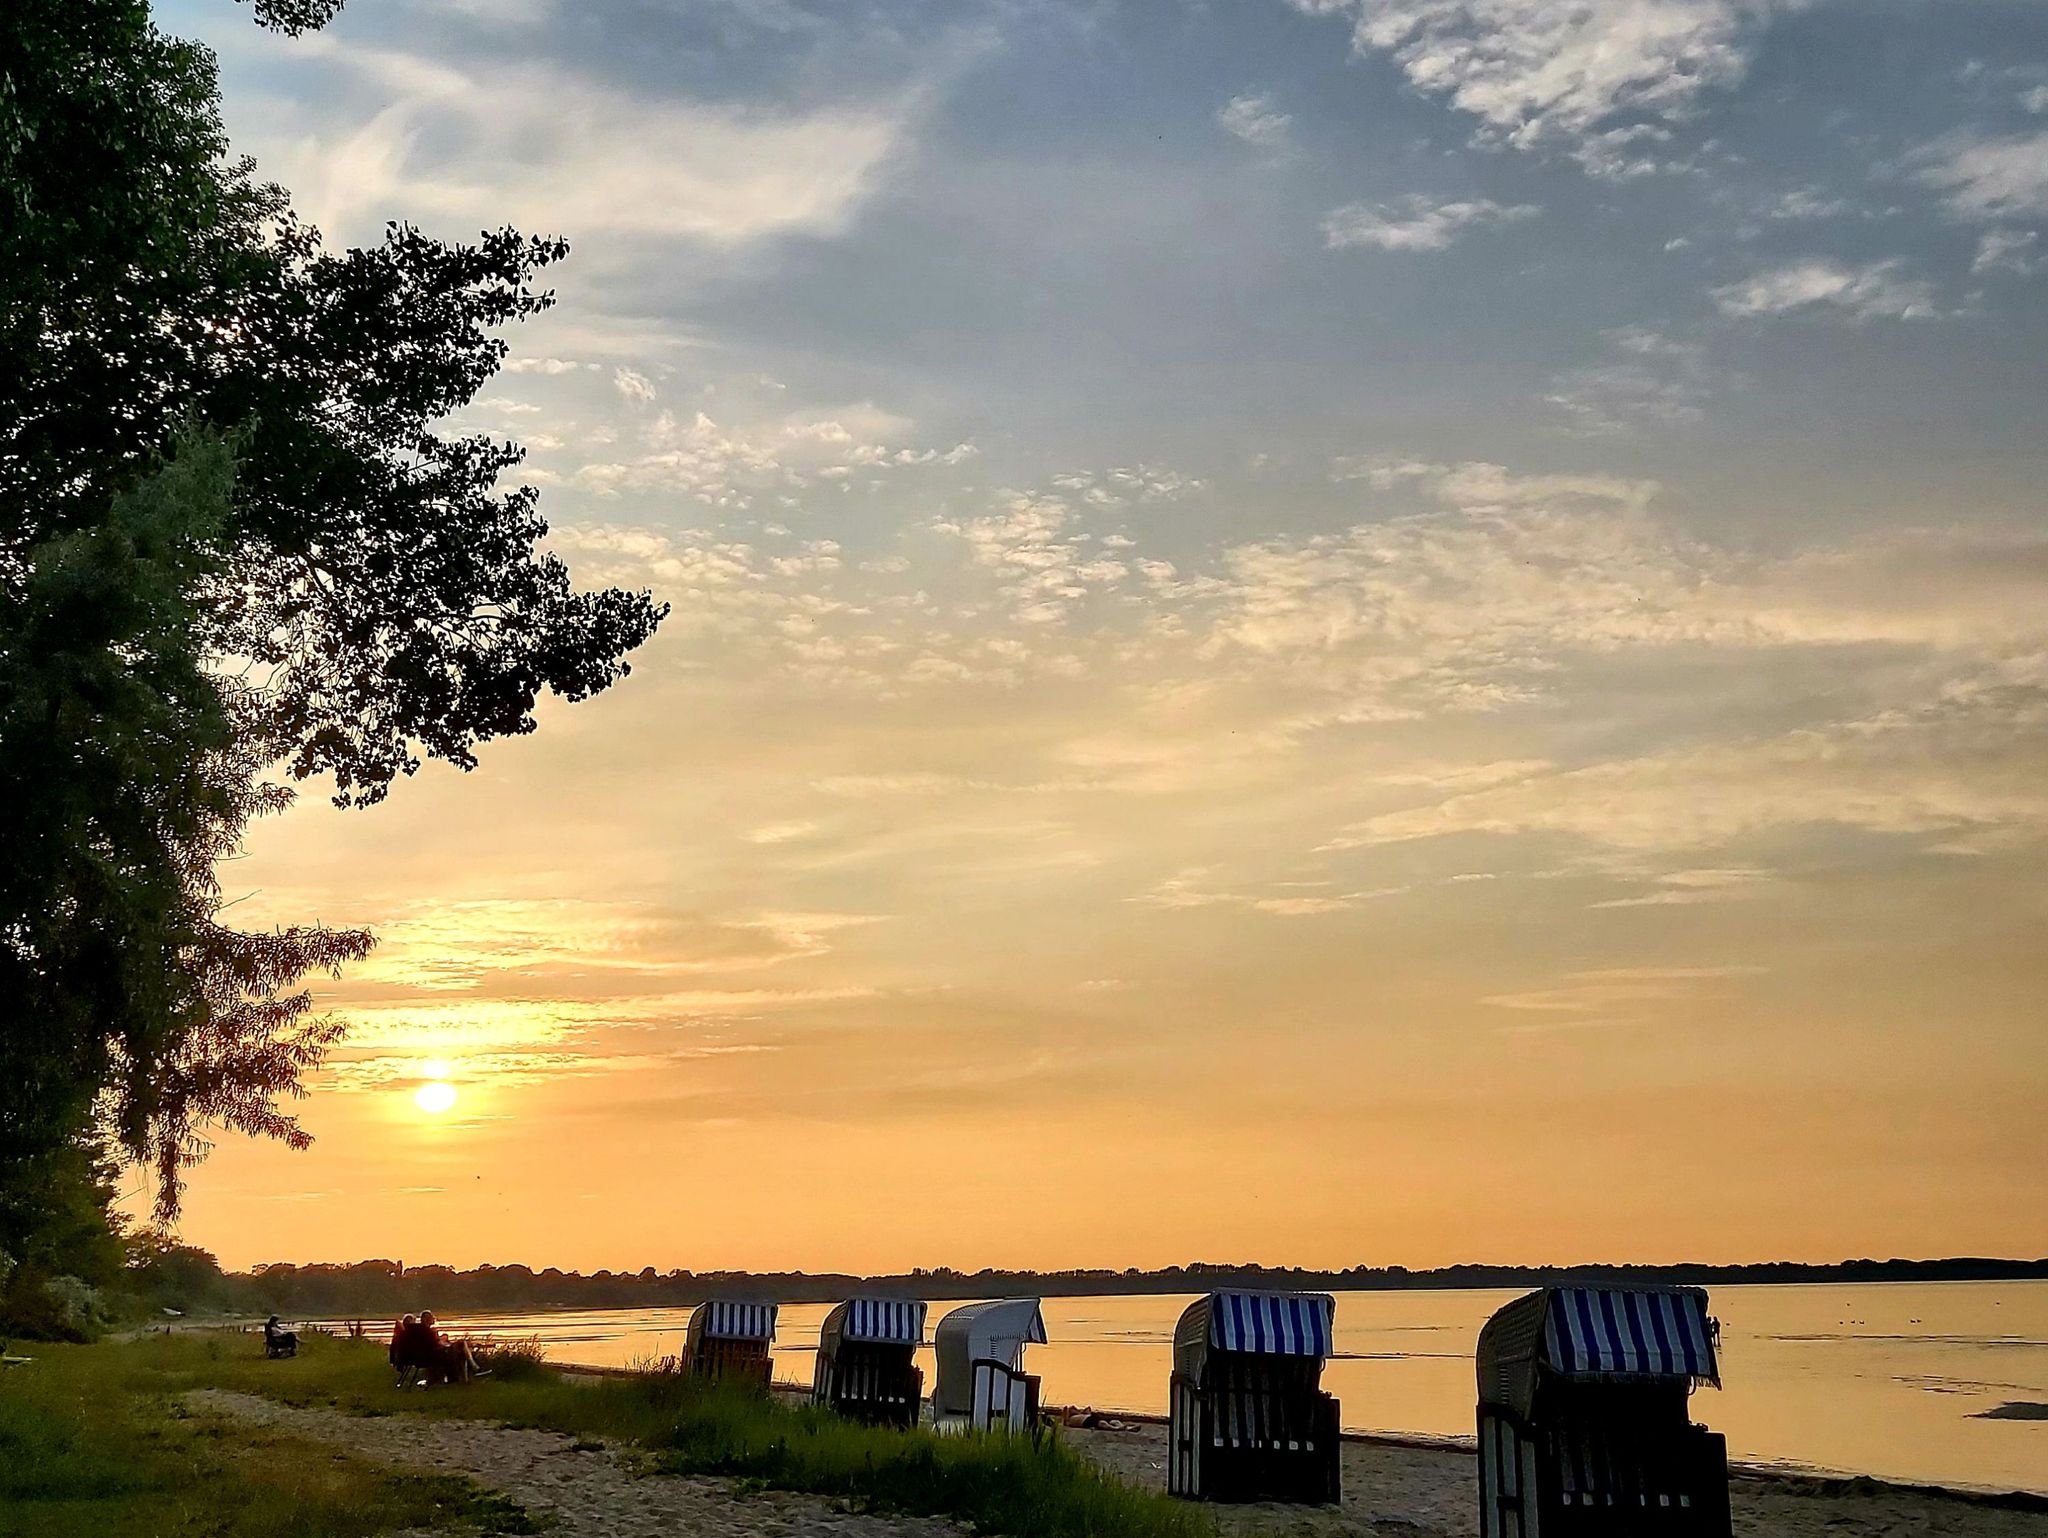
1326 632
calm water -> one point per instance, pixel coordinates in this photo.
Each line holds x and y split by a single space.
1881 1380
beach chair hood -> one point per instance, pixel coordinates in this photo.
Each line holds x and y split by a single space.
1612 1334
1256 1323
731 1319
877 1321
996 1331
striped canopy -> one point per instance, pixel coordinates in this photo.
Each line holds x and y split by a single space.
728 1319
1272 1323
1604 1332
885 1321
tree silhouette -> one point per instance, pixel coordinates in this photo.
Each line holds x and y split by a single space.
230 537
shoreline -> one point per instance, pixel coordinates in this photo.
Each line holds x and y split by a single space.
1797 1478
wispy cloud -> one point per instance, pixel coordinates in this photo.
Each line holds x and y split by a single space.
551 150
1416 222
1254 119
1598 79
2016 251
1645 378
1874 291
1985 178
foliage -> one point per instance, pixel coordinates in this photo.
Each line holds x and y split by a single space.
513 1361
229 536
163 1273
997 1483
391 590
93 1445
133 773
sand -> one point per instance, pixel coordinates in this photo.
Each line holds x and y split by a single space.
586 1490
1420 1492
594 1491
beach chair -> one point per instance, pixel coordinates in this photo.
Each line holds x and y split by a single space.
1583 1425
278 1341
981 1384
728 1341
1247 1418
867 1367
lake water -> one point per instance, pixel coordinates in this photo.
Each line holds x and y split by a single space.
1887 1379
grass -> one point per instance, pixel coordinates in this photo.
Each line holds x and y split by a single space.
997 1484
93 1444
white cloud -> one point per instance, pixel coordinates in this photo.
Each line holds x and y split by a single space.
1415 222
1645 378
732 465
1869 292
635 386
1991 178
1254 119
2007 251
1808 203
1596 77
547 366
548 150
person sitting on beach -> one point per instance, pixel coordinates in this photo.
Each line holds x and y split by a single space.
412 1349
277 1340
454 1362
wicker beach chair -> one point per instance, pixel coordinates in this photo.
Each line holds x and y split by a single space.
981 1384
728 1341
866 1361
1583 1425
1248 1420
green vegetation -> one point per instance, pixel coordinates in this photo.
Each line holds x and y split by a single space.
997 1484
94 1443
236 539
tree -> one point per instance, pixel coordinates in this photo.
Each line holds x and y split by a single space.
230 536
392 590
131 766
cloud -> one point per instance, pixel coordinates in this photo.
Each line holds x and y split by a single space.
1597 79
732 465
2007 251
1808 203
548 366
1869 292
1895 777
1254 119
1615 996
1684 888
551 150
1187 890
1645 379
633 385
1990 178
1415 222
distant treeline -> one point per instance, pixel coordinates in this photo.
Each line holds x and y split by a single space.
377 1287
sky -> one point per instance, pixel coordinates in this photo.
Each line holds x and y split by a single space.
1317 631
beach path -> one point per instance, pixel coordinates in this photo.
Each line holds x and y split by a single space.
587 1491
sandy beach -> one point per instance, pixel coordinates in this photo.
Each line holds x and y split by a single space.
589 1490
1390 1489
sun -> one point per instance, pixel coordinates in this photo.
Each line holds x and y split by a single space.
434 1098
